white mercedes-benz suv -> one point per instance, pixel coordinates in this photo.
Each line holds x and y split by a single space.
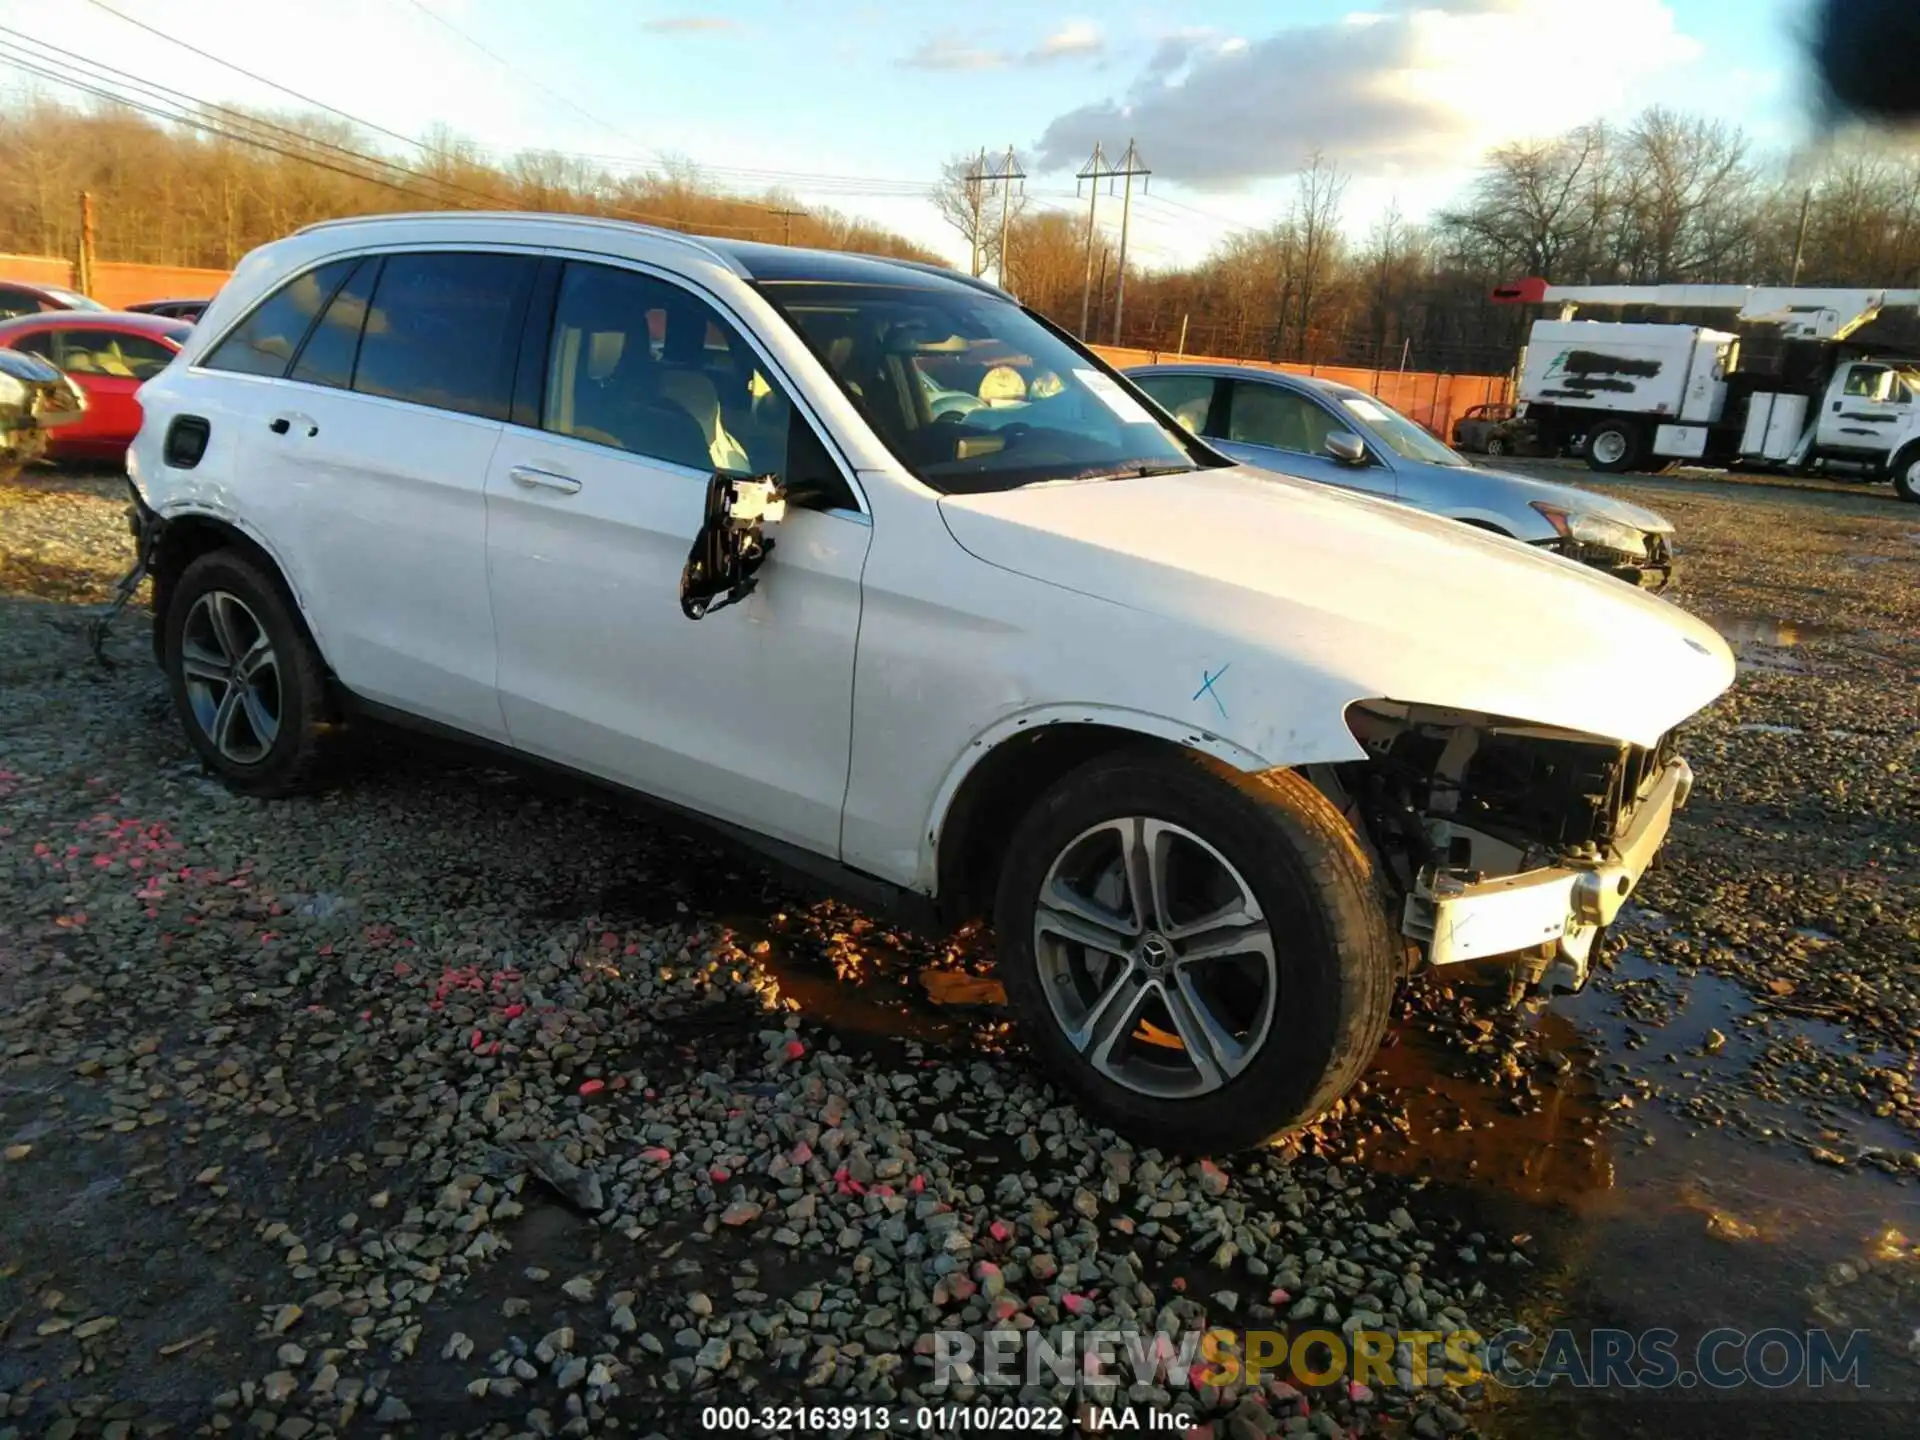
866 565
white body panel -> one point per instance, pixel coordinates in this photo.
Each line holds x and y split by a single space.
1686 442
1775 423
1675 370
744 717
1236 612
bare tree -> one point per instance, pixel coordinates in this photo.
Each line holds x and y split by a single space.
969 198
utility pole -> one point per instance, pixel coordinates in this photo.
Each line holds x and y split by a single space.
1008 174
1183 334
786 224
83 270
976 191
1800 243
1096 167
1130 166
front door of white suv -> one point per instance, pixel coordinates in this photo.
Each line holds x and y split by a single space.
595 495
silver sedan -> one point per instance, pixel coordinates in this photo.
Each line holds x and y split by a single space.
1321 430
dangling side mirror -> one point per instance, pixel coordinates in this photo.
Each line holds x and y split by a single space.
731 546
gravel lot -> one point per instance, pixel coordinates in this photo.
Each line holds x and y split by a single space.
450 1103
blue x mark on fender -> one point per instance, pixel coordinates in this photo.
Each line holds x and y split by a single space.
1207 689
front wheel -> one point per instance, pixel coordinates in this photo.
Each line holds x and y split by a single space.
1200 956
1498 445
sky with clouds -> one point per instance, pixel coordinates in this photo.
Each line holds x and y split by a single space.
856 104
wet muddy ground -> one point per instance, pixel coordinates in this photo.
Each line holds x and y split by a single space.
317 1116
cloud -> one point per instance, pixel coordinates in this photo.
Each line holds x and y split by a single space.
944 52
689 24
1402 88
1075 38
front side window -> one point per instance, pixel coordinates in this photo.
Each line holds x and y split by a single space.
1187 398
1277 418
115 356
14 303
1865 382
264 342
970 392
640 365
443 329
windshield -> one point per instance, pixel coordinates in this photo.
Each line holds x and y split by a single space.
971 393
1398 432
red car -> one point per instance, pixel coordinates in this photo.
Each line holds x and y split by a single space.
109 356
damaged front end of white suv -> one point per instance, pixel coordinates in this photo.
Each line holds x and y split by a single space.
1503 837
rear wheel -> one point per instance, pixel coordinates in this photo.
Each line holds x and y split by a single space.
247 683
1498 445
1613 446
1200 956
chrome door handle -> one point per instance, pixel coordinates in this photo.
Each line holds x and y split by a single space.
531 477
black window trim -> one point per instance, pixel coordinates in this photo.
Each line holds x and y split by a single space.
378 262
534 366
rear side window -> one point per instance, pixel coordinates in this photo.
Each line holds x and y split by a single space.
327 357
444 330
264 343
17 302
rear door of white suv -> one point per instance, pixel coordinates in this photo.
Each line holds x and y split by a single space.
634 389
366 434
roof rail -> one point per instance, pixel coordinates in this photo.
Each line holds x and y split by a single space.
947 272
691 242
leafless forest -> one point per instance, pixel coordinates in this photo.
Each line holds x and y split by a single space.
1670 197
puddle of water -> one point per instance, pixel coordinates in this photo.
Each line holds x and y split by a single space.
1768 630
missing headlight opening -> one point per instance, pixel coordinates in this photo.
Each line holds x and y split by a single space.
1503 837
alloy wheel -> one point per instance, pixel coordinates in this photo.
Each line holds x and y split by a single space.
232 677
1157 961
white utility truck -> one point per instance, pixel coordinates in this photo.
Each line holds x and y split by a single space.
1624 395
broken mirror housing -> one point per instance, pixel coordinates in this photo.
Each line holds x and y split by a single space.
731 546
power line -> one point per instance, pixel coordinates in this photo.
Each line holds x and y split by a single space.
36 63
517 71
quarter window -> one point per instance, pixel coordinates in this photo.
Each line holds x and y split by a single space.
443 330
264 342
327 357
643 366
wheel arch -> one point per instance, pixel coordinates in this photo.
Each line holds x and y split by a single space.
1008 765
189 534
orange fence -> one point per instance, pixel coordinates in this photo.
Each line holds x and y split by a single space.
1435 400
117 282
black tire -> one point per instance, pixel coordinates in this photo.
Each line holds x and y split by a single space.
1906 475
1337 961
290 761
1613 446
1497 445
